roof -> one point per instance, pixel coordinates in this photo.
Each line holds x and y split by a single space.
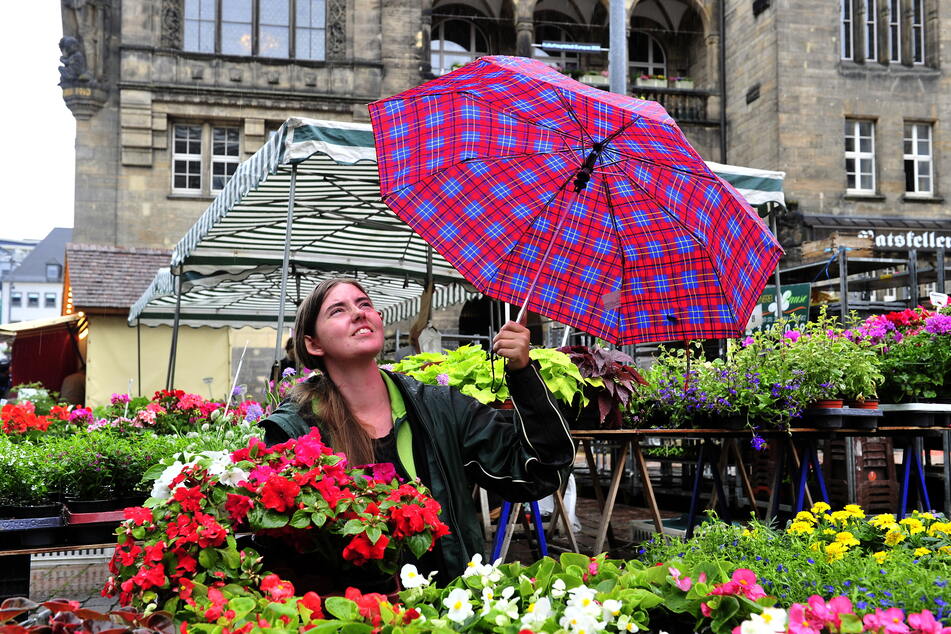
111 277
45 325
49 250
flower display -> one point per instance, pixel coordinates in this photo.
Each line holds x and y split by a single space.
300 492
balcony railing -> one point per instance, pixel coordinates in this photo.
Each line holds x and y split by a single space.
685 106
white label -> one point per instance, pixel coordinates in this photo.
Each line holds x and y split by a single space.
938 300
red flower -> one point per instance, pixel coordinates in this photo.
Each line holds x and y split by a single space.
189 498
368 604
279 493
360 550
218 602
154 553
128 557
238 506
330 492
276 588
311 601
210 533
186 563
255 446
138 514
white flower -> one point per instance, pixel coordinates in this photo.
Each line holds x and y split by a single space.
611 608
770 621
219 461
583 597
458 604
161 489
410 577
578 620
474 566
233 477
537 613
558 588
625 624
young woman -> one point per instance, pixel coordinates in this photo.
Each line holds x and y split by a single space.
451 441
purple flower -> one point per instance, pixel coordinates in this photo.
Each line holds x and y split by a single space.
792 335
120 398
253 413
938 324
238 390
442 379
387 366
749 341
287 372
757 442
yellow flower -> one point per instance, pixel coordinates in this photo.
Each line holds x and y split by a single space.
805 516
880 556
800 528
945 550
940 527
841 517
914 525
924 516
921 551
855 511
893 537
816 546
828 531
835 551
750 533
846 538
820 507
883 520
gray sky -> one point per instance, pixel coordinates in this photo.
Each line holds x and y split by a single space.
38 131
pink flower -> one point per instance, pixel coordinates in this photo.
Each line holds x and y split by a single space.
684 583
705 610
890 621
749 341
800 621
793 335
593 567
926 623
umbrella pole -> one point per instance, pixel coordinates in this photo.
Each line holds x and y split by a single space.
522 312
287 257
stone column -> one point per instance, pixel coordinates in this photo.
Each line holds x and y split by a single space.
524 28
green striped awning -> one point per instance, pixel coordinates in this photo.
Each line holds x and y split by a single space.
758 187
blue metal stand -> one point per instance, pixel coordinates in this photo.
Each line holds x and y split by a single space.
503 526
810 458
911 458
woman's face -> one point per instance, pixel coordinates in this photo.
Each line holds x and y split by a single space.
347 326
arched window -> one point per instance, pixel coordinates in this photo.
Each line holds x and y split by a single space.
456 41
646 55
551 26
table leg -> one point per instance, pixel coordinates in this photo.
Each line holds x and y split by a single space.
798 464
924 499
609 501
695 491
563 514
773 508
946 467
596 482
648 487
850 470
905 480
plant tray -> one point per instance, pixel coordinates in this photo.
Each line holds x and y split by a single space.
30 523
94 518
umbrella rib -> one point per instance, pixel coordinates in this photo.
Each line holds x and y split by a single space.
517 117
641 159
574 117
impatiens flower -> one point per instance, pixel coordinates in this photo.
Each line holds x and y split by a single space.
460 609
368 604
279 493
311 601
138 514
360 550
237 507
799 621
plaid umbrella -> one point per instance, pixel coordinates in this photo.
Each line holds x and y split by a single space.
590 207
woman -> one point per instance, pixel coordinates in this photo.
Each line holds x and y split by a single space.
450 440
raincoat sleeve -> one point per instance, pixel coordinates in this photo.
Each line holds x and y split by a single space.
522 454
283 424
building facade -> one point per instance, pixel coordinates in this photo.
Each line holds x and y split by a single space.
34 289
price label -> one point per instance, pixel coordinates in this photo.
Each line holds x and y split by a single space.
938 300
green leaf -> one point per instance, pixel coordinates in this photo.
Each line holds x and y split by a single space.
373 533
318 518
300 519
353 527
343 609
269 519
230 557
241 606
574 559
208 558
419 544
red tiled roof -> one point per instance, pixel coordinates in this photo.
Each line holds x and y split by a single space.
111 277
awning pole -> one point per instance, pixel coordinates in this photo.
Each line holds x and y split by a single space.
170 377
138 356
775 228
287 257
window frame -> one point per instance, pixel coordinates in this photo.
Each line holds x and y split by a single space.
858 155
49 300
846 25
32 299
54 266
438 35
919 52
894 31
16 299
917 159
223 159
651 62
870 30
255 26
206 157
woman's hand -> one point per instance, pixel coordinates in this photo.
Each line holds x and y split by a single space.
512 343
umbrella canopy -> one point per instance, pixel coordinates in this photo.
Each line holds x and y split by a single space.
590 207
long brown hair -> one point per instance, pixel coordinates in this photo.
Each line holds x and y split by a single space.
321 397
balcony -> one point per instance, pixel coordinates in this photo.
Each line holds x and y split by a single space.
685 106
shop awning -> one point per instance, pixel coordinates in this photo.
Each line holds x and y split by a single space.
50 324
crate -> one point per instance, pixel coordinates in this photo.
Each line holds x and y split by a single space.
876 480
818 250
15 579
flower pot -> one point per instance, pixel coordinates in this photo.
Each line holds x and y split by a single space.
683 84
28 511
650 83
74 505
864 404
30 525
828 403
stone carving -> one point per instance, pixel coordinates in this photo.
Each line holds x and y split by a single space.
336 29
74 68
84 21
172 23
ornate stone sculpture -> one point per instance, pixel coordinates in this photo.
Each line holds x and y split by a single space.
82 74
74 68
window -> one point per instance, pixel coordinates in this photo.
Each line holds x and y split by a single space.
456 42
224 156
871 30
860 23
256 27
894 30
860 156
32 300
49 300
204 157
918 163
646 55
16 299
918 31
53 271
845 29
551 26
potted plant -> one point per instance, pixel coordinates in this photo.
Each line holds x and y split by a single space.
650 81
612 380
681 83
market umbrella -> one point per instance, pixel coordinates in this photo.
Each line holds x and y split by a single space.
587 207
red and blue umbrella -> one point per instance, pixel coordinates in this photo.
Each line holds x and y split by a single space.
589 207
